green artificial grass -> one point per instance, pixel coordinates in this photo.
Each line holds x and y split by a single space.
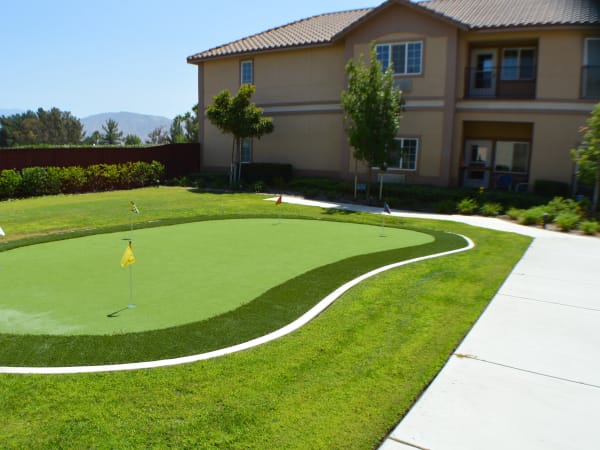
183 273
342 381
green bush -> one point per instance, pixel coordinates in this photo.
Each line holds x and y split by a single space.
589 227
532 216
491 209
10 182
33 181
567 221
72 179
559 205
467 206
551 188
514 213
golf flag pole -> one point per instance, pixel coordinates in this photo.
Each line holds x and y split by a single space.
386 210
277 203
128 260
134 210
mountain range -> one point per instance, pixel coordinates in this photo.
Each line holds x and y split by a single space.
129 123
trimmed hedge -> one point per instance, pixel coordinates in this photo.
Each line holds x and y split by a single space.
37 181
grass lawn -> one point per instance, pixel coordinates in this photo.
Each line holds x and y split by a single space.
342 381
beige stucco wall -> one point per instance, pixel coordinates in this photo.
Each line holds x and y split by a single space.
310 142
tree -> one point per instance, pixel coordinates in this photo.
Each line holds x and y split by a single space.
184 127
587 156
157 136
132 139
94 139
112 135
235 115
53 127
372 107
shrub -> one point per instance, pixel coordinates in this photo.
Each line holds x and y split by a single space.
567 221
72 179
559 205
10 182
33 181
589 227
514 213
532 216
551 188
53 181
491 209
467 206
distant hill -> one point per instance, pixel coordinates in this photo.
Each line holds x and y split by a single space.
129 123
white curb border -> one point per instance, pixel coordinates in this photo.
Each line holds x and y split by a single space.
293 326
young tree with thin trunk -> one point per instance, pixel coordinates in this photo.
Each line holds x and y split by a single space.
587 156
372 107
237 116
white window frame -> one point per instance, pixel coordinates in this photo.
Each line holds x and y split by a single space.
402 160
510 166
380 48
246 72
507 72
246 150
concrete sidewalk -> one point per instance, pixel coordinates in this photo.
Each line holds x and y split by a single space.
527 376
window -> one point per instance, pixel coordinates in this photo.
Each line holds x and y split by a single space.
246 151
405 158
512 157
591 69
404 58
518 64
246 72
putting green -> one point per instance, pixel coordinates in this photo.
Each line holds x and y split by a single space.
183 273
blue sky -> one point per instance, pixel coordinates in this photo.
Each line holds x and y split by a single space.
94 56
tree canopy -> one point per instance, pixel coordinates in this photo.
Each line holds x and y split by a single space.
587 156
53 127
237 116
184 128
372 107
112 135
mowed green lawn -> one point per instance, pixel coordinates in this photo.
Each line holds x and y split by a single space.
343 381
183 273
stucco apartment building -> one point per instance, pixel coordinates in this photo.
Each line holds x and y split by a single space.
496 90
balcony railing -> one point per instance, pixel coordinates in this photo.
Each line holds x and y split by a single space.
504 82
590 82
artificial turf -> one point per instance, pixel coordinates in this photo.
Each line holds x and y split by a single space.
343 381
183 273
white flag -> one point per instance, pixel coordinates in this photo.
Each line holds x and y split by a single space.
2 232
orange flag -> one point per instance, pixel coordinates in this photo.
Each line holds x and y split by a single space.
278 202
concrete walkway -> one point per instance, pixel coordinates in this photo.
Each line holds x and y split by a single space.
527 376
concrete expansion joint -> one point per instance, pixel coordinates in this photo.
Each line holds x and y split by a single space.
408 444
533 372
517 297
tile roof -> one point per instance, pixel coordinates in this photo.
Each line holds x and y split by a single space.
315 30
516 13
474 14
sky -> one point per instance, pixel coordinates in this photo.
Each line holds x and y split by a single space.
94 56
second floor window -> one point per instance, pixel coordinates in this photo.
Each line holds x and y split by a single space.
405 58
405 158
518 64
246 72
591 69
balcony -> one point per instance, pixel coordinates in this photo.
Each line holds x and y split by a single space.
590 82
506 82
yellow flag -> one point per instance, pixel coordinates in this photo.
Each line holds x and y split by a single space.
133 207
128 257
